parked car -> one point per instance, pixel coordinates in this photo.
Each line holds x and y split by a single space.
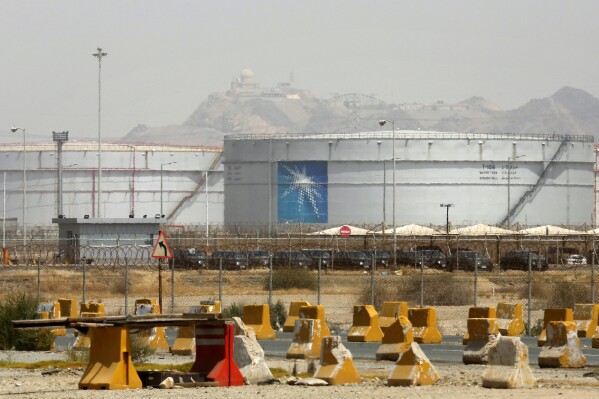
434 258
258 258
383 257
291 259
230 260
318 255
189 258
351 260
409 258
519 260
468 260
560 255
576 259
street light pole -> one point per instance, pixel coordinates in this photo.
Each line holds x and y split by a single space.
382 123
99 55
447 206
14 130
161 166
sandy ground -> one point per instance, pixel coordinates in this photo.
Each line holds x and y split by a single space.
457 380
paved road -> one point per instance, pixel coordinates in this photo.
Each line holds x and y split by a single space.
449 351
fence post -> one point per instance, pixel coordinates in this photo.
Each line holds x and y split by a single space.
529 293
593 260
270 281
220 280
84 276
173 285
126 286
372 271
318 285
475 283
422 281
39 266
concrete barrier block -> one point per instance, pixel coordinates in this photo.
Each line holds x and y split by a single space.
336 364
479 313
413 368
398 339
424 325
293 314
68 307
392 311
249 357
185 344
257 317
508 366
553 314
315 312
483 334
562 349
154 337
509 319
87 309
586 318
365 326
307 339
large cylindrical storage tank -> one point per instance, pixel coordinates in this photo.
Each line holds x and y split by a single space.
334 179
182 182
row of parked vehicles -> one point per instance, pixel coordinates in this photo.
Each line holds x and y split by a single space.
460 259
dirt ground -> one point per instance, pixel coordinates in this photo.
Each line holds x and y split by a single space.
457 380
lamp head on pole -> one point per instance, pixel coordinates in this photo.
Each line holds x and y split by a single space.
15 129
382 122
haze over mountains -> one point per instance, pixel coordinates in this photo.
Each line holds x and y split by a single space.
284 109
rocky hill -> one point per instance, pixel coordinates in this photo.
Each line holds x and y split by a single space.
568 111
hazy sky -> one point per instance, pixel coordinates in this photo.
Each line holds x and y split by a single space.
165 57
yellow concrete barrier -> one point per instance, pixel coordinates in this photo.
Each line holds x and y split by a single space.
508 366
307 339
315 312
365 326
257 317
562 348
154 337
51 310
424 325
87 309
293 315
110 365
585 317
509 319
413 368
553 314
185 343
68 307
397 340
336 364
479 313
482 335
392 311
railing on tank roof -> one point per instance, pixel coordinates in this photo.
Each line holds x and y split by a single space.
412 134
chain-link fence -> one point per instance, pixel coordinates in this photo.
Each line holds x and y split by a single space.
120 274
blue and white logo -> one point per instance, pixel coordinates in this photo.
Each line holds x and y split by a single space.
303 192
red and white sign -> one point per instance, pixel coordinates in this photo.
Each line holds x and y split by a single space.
345 231
161 249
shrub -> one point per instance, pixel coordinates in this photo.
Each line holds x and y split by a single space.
278 315
439 289
536 329
382 293
21 306
233 310
284 279
140 351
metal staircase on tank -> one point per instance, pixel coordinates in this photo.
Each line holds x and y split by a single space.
197 188
532 190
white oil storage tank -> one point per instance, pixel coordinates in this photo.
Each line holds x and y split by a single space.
334 179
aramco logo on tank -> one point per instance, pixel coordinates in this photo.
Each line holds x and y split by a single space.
303 192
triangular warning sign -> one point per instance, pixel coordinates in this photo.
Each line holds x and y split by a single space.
161 249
